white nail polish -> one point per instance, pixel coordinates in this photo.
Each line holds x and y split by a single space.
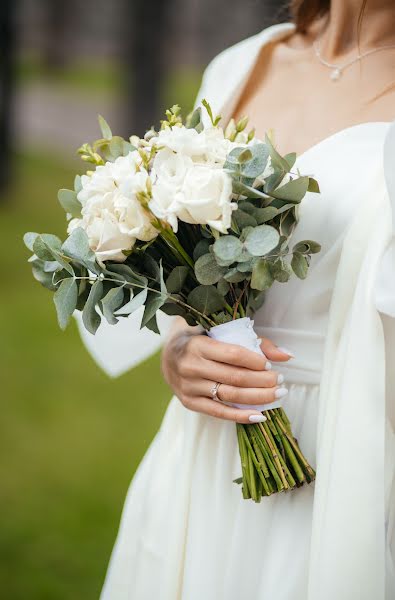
280 378
281 392
286 351
268 366
257 418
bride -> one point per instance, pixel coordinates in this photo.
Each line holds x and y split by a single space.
325 85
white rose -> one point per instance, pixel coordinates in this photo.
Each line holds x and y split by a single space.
206 198
170 167
164 203
181 140
111 214
217 147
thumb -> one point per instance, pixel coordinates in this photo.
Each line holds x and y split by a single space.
273 352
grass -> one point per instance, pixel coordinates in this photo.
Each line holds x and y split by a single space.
70 438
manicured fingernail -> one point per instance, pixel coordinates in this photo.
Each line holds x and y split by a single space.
257 418
286 351
280 378
268 366
281 392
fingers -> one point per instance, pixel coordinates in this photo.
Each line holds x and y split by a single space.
237 377
275 353
221 411
232 354
227 393
237 395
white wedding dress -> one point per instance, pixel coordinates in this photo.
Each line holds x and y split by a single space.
186 533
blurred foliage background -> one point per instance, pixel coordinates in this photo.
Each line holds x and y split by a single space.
70 438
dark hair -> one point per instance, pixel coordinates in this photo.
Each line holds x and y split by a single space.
305 12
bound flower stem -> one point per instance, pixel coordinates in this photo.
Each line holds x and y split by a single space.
271 458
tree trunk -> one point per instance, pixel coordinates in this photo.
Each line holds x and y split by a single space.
7 40
144 67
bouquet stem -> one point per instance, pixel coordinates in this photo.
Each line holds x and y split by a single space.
271 458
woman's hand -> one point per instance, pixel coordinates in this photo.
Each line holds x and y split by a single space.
193 363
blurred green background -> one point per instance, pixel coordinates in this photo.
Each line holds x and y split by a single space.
71 438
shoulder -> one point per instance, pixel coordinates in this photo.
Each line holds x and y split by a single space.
229 64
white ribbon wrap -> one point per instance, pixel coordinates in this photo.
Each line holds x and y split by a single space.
241 332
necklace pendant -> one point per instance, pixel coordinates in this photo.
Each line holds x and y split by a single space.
336 74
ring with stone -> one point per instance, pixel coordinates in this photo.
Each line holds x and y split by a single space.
214 392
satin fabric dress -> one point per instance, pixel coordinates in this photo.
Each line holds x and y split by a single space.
186 533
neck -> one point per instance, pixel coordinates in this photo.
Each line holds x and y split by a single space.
340 33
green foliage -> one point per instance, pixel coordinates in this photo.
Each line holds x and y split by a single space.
299 265
261 240
90 316
69 202
111 302
206 299
227 249
65 299
176 279
105 128
262 277
198 273
207 270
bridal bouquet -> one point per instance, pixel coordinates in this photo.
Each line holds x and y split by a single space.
195 221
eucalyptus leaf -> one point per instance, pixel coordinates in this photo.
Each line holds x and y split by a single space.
313 186
227 248
281 271
246 267
176 279
234 275
247 191
262 277
46 279
307 247
152 325
207 270
90 316
111 302
77 247
243 219
77 183
194 120
46 246
261 240
69 202
255 166
299 265
126 273
152 305
223 287
65 299
29 238
105 128
292 191
262 215
134 303
291 159
116 146
202 247
277 161
206 299
247 207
